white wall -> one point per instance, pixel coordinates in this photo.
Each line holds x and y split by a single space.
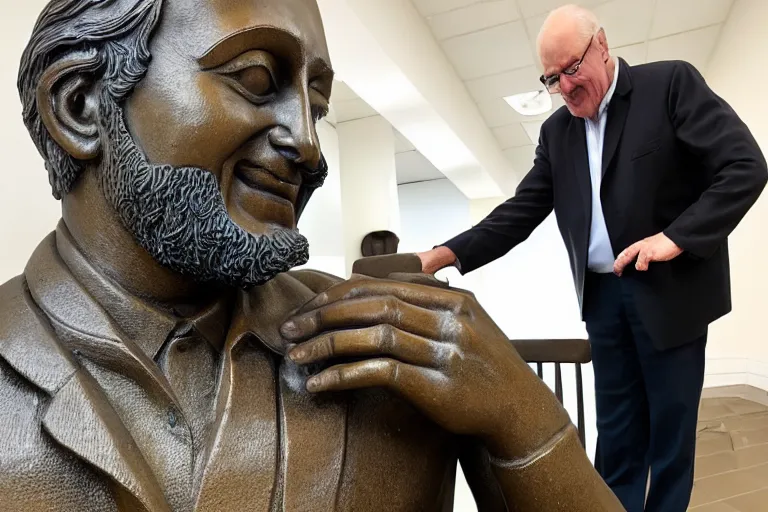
534 280
738 346
322 221
439 203
368 181
28 211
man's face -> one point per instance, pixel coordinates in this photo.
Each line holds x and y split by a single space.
583 91
205 162
235 87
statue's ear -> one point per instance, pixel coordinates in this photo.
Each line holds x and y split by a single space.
68 104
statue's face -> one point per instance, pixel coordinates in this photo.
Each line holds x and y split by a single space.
235 87
204 162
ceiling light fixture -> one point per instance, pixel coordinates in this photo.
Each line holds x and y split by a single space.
530 103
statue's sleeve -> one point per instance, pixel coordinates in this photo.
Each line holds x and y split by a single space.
556 477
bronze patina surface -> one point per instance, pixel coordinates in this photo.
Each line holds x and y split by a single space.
157 354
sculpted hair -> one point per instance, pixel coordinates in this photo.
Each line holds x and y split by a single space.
111 37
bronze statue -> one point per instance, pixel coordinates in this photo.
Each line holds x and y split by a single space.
156 354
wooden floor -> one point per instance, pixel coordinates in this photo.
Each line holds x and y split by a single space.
732 452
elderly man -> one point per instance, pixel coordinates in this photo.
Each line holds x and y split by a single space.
648 172
157 356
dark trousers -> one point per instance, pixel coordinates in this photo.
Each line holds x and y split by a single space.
647 401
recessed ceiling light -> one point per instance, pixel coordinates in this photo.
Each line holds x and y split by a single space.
532 103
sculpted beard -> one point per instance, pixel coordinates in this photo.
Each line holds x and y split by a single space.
177 214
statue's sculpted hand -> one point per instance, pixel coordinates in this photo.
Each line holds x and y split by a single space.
436 347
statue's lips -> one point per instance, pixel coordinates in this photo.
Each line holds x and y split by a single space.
268 182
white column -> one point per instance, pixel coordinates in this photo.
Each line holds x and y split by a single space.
737 352
368 181
322 220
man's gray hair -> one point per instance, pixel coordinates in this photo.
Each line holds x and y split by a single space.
585 19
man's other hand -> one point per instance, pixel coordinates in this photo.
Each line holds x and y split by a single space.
436 259
654 248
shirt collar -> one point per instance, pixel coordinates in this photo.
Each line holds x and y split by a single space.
611 89
147 325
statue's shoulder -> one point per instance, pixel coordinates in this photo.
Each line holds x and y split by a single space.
16 314
28 343
315 280
21 375
33 368
14 322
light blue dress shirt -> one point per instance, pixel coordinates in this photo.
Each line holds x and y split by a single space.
600 258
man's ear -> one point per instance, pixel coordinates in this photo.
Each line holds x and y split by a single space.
603 40
68 104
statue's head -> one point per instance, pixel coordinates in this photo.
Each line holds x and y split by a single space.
196 116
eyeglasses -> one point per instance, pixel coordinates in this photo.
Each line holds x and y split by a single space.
552 82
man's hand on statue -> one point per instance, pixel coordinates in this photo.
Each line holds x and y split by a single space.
437 348
436 259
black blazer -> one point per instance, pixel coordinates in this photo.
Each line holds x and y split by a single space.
676 159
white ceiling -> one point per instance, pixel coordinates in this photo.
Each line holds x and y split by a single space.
411 165
346 105
491 44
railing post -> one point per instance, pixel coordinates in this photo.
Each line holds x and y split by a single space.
580 406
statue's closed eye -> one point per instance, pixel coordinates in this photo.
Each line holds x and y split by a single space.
257 80
252 74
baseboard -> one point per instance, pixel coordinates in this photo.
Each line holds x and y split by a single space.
757 374
726 371
736 371
758 381
744 391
